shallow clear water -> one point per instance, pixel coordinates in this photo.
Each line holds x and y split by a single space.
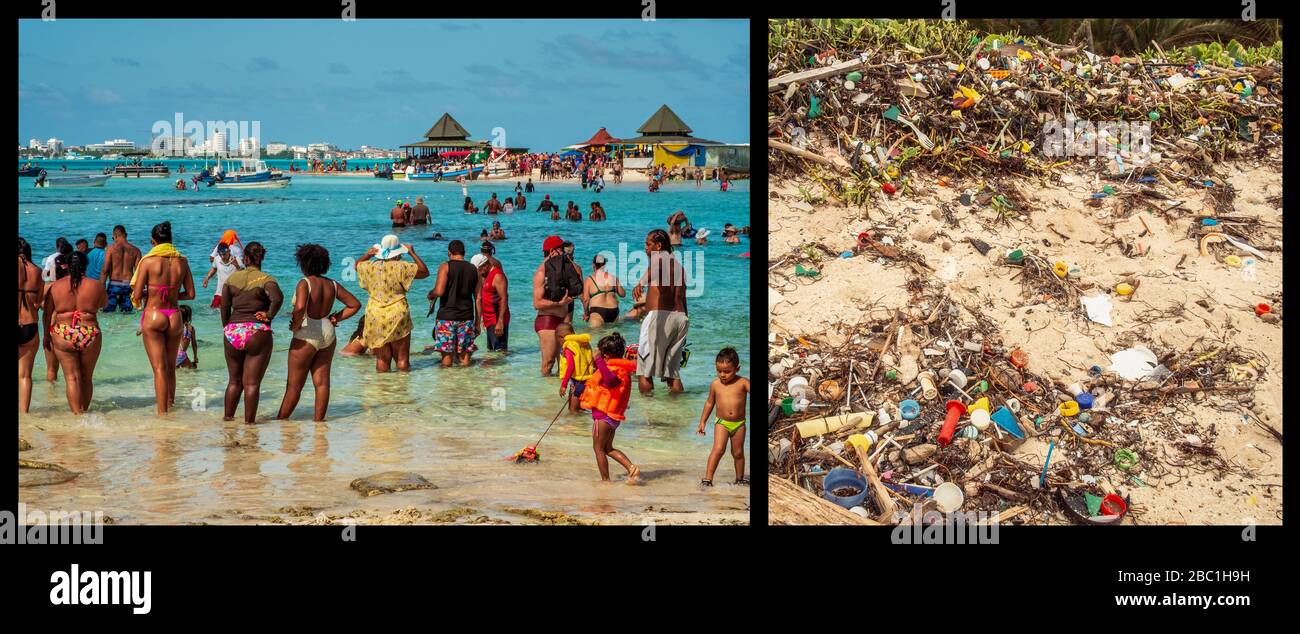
441 423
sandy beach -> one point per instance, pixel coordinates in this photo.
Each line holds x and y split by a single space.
1214 461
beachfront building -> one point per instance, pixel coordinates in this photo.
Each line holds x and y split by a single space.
445 137
733 158
666 140
116 145
54 145
276 147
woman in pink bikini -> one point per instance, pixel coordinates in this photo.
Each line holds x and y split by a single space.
161 280
249 301
71 303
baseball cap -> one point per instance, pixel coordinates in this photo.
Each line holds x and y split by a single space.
551 242
478 260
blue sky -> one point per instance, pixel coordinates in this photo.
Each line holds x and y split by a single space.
381 82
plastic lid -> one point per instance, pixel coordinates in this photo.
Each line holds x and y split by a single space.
1070 408
1084 400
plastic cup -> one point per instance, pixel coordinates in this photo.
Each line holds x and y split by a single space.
949 497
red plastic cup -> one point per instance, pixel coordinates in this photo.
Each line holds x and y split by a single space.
1113 505
1260 309
955 410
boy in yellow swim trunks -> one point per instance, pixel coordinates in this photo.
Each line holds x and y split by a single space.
729 392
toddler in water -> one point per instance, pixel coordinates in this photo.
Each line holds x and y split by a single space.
729 393
606 395
576 365
187 341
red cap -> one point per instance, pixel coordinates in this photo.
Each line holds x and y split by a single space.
551 242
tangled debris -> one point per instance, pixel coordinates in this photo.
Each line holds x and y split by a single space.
880 112
874 397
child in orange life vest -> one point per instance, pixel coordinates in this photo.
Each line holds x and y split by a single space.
729 392
575 363
606 395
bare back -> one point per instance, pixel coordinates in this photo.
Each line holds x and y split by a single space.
30 287
320 298
86 299
120 261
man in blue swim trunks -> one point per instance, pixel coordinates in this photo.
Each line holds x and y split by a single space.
120 261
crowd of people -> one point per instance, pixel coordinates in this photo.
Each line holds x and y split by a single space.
62 299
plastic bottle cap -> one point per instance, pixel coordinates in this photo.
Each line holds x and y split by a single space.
1124 288
1019 358
1260 309
1060 269
980 419
1069 408
909 409
1084 400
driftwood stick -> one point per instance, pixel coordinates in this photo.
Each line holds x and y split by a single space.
777 83
886 503
804 154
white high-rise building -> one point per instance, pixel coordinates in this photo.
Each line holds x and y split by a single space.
275 147
55 145
248 146
35 144
173 145
217 143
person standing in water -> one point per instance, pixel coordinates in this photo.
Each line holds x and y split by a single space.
312 348
729 394
120 260
664 328
549 312
607 394
388 279
31 293
494 298
600 293
249 301
72 303
165 273
420 212
458 321
223 267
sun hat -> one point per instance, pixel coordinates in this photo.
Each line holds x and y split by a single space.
389 248
552 242
478 260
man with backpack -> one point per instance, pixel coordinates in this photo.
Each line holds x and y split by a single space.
556 283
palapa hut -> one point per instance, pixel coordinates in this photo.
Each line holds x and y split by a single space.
446 136
671 140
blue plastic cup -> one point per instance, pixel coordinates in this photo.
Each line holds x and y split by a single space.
840 477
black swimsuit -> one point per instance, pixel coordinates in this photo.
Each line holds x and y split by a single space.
26 332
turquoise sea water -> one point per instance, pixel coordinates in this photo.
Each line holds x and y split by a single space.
443 423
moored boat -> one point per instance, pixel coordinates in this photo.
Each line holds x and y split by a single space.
89 180
249 174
